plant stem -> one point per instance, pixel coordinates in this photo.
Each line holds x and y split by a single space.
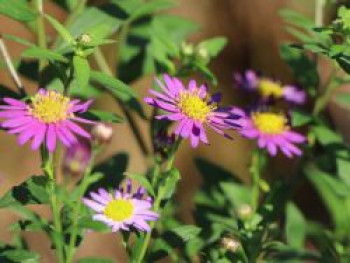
10 67
322 101
78 205
104 67
41 32
319 12
57 236
255 172
156 205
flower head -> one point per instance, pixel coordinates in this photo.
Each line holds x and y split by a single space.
123 209
272 130
47 117
268 88
192 108
102 133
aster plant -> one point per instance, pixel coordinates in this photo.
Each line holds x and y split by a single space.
86 184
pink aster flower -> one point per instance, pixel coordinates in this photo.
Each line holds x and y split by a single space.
193 108
47 117
271 130
77 158
123 209
268 88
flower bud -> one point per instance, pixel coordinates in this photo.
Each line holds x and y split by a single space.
84 39
202 53
76 158
102 133
231 244
163 143
187 49
244 211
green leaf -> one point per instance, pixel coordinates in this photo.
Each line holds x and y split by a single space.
170 182
213 46
103 116
150 7
326 136
295 226
142 180
31 191
186 232
19 40
300 118
303 68
40 53
297 19
20 256
64 33
115 86
343 165
236 194
335 195
343 99
82 71
202 68
17 10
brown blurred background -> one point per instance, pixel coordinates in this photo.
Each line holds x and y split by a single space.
254 30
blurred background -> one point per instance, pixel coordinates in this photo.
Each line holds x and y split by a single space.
254 30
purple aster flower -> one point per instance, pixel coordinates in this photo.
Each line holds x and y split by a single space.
268 88
47 117
271 130
123 209
192 108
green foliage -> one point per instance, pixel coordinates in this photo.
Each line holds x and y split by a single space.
17 10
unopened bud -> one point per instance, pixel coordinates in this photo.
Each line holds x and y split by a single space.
102 133
77 158
230 244
244 211
187 49
163 143
84 39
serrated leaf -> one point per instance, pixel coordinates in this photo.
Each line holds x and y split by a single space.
295 226
40 53
64 33
82 71
17 10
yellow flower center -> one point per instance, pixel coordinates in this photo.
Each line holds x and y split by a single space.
50 107
269 123
269 88
194 107
119 210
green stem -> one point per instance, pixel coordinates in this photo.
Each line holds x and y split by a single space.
41 32
156 205
104 67
57 236
255 172
78 205
319 12
323 100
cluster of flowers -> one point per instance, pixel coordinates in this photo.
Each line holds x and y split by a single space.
193 108
49 116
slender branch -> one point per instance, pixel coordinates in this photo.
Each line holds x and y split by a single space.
82 188
319 12
41 31
104 67
255 172
10 66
